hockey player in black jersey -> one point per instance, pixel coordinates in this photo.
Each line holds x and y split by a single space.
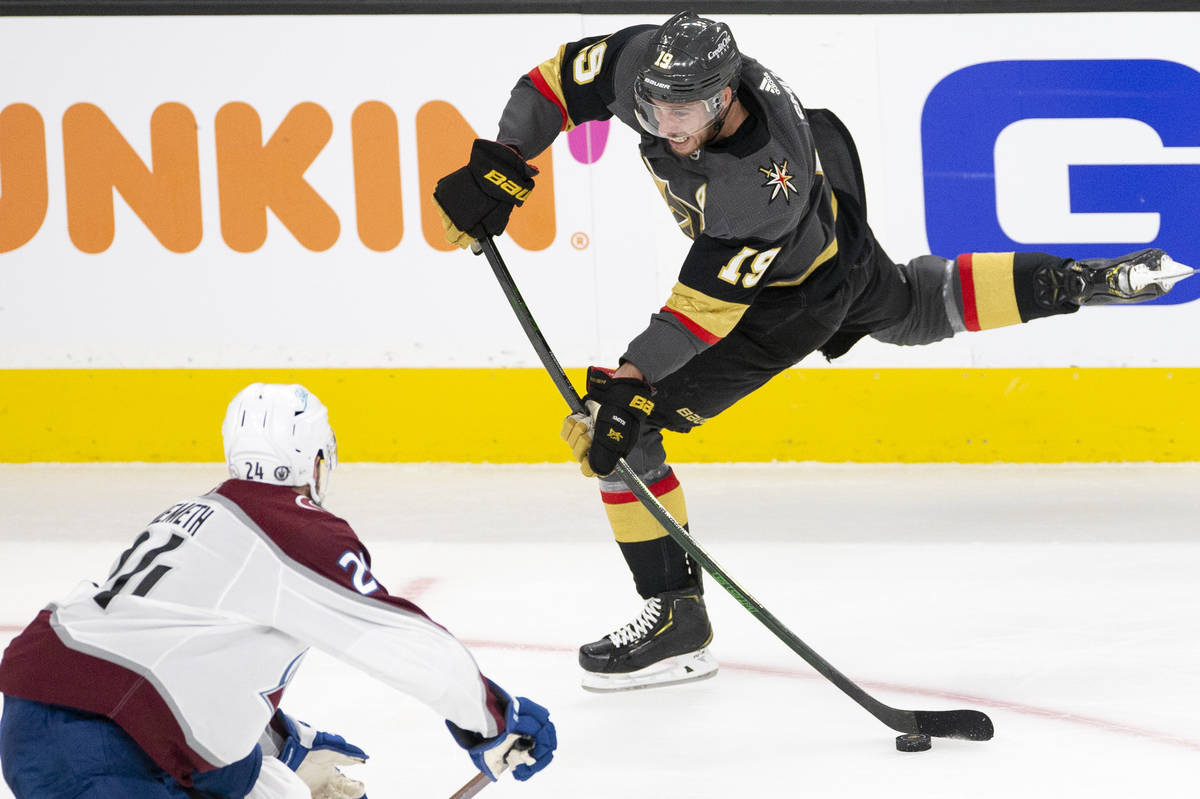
782 264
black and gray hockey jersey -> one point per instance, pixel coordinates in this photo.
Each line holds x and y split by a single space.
756 204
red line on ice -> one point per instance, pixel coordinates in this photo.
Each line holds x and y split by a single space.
774 671
414 588
1000 704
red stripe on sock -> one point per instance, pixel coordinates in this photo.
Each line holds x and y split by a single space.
663 486
966 279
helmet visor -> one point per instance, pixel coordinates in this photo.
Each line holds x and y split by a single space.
677 120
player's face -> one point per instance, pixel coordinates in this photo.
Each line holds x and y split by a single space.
686 127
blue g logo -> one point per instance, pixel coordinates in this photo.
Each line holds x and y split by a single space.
1077 158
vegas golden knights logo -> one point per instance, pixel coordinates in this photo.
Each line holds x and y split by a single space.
689 217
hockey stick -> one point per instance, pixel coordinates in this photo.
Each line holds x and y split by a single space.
969 724
477 784
481 780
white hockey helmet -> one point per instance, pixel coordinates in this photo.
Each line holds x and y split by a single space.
280 434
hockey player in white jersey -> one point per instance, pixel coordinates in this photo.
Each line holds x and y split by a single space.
165 679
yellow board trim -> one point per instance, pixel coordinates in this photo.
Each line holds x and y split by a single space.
514 415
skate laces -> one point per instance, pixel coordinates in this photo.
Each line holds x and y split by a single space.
640 626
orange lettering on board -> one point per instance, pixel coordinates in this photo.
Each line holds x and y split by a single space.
444 141
98 159
377 176
252 177
23 186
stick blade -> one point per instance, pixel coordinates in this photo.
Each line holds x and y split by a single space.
967 724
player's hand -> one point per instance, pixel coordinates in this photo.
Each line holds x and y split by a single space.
476 200
621 404
526 744
577 431
315 756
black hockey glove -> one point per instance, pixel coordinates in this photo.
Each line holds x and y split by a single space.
477 199
624 402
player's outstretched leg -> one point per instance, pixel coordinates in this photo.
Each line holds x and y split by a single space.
666 644
981 291
1137 277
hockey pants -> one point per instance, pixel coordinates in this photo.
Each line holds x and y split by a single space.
923 301
51 752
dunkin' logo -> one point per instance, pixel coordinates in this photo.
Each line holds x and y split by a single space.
256 170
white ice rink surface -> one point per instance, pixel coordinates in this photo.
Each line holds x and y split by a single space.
1060 600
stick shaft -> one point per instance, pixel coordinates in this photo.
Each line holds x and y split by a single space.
477 784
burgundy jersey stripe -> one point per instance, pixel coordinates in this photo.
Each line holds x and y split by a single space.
38 666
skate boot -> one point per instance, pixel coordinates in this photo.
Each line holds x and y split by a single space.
665 645
1137 277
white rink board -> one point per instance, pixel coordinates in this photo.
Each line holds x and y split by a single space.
138 305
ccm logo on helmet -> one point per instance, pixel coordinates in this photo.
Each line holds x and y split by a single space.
507 185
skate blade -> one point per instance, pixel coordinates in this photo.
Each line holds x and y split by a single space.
698 665
1168 274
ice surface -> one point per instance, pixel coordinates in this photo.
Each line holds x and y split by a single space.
1061 600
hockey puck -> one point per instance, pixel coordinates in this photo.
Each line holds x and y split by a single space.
913 742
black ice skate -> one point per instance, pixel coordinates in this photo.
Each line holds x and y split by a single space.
1137 277
665 645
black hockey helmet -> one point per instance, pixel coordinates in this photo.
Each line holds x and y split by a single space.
690 60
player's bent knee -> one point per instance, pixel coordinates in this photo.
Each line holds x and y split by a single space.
936 311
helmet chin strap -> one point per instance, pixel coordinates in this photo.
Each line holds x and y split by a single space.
322 472
719 122
714 127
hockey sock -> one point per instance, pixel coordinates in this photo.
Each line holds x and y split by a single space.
659 565
999 289
657 562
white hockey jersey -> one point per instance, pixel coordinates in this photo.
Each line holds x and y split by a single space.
193 638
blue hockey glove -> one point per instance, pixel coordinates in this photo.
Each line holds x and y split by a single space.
620 405
526 744
315 756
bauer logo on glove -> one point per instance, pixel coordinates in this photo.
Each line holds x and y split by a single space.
643 404
476 200
518 192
